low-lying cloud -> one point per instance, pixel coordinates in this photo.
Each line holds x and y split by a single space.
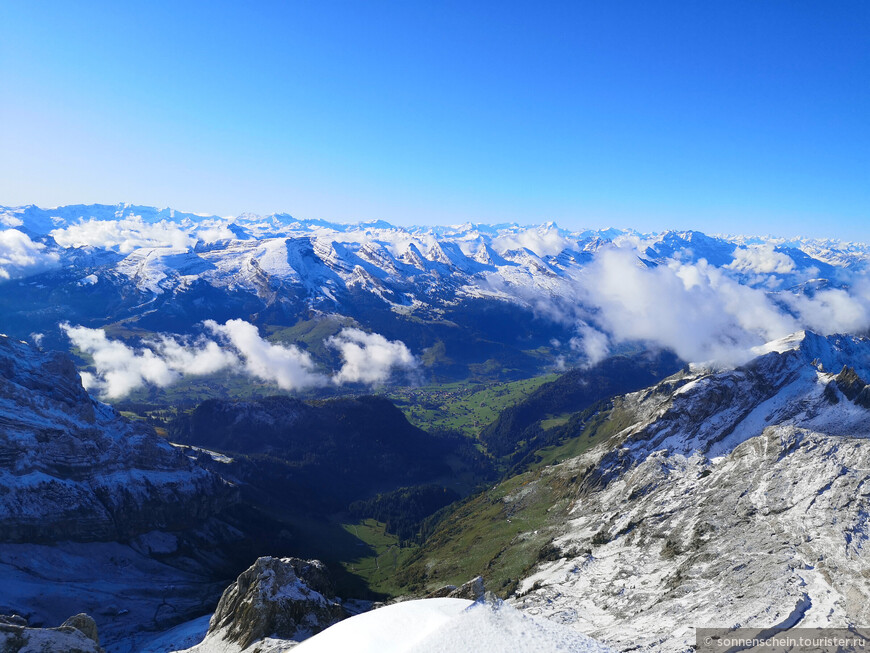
369 357
285 365
127 235
20 256
237 347
701 312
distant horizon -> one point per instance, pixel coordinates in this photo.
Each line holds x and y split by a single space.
725 235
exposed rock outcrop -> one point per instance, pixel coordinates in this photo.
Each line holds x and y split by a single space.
280 598
78 634
849 383
472 590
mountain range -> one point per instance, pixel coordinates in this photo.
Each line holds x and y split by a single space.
629 435
469 301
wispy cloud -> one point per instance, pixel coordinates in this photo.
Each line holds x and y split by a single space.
286 365
369 357
129 234
543 240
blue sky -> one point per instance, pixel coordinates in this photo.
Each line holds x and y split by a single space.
721 116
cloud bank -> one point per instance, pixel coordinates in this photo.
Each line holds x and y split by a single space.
127 235
699 311
20 256
237 347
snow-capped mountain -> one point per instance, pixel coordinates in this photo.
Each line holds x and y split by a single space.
736 498
162 250
469 294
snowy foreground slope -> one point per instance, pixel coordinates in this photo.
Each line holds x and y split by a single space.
737 498
456 625
280 604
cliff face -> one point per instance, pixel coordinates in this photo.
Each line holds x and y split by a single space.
73 469
98 513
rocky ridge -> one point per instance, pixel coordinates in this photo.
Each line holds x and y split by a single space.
732 498
78 634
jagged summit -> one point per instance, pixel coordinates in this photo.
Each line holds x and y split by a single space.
829 352
274 600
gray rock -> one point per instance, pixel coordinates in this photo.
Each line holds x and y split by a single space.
287 598
85 624
473 590
12 620
17 637
441 592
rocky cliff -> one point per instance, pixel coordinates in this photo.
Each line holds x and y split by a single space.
733 498
98 513
274 604
73 469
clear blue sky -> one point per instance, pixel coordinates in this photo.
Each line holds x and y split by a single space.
739 116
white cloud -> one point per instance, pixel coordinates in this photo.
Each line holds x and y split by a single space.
833 310
594 344
124 235
119 369
131 233
287 365
201 358
693 309
543 241
369 357
700 312
20 256
761 259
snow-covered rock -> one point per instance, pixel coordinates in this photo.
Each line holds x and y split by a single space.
78 634
72 468
275 603
735 498
98 513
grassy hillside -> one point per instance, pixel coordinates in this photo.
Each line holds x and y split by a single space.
540 420
466 407
503 532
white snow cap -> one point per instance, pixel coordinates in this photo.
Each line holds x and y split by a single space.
455 625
